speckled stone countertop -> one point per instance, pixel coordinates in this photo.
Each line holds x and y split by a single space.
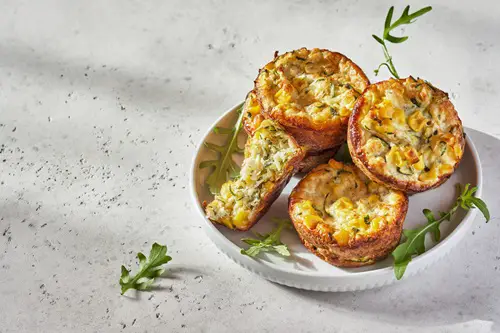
101 106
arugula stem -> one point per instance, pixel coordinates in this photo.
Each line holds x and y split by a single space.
390 66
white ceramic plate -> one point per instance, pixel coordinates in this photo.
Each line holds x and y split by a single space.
306 271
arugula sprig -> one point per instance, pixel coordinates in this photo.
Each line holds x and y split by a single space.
406 18
224 166
149 269
268 242
414 243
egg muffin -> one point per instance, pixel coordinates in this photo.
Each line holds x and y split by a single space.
252 118
271 158
312 94
406 134
345 218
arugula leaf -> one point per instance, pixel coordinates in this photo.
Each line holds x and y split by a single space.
149 269
267 243
414 243
406 18
430 219
224 166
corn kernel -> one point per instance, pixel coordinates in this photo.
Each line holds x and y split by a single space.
430 175
225 191
386 126
417 121
344 203
376 223
386 112
282 97
342 237
399 116
395 157
445 168
344 112
241 218
358 223
411 155
436 139
373 199
386 122
312 220
420 165
254 110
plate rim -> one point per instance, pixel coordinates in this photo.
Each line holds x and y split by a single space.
276 273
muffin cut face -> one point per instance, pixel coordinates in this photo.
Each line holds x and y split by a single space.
271 158
406 134
311 93
344 218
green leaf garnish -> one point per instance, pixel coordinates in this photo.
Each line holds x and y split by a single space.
224 167
149 269
406 18
267 243
414 243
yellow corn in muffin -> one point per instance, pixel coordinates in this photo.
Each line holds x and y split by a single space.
406 134
345 218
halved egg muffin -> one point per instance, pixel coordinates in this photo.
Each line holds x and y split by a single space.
406 134
312 94
252 118
271 158
345 218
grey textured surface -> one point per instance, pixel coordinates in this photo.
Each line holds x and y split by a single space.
101 106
